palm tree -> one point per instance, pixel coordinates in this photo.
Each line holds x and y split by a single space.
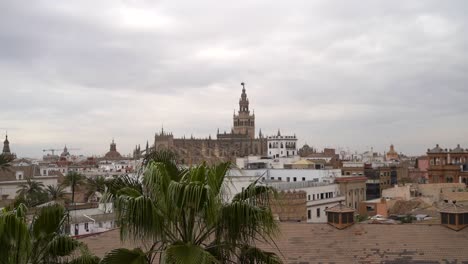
32 192
73 179
4 162
94 185
42 241
56 193
183 217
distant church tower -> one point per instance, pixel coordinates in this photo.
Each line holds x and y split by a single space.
6 146
244 122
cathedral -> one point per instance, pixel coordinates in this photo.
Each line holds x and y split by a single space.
240 142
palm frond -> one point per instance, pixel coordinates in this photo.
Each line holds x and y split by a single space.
85 259
254 255
242 221
139 218
15 241
48 220
61 245
125 256
180 253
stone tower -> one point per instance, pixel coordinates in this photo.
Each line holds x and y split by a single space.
6 146
244 122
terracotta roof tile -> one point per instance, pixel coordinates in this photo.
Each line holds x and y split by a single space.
302 243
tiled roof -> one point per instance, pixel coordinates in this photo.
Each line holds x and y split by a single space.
340 208
302 243
454 208
458 149
437 149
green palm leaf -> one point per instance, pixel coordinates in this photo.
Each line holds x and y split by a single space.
183 253
15 241
125 256
61 245
254 255
48 220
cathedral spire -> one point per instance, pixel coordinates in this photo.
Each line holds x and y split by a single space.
6 145
243 102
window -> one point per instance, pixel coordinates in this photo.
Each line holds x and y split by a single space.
321 196
294 179
336 218
460 219
451 219
288 179
318 212
86 227
280 179
330 217
303 178
272 178
344 218
19 175
308 197
313 197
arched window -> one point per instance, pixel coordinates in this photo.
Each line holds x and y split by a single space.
281 144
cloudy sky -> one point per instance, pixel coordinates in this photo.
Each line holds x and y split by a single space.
349 74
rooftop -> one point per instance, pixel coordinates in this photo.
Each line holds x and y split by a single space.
302 243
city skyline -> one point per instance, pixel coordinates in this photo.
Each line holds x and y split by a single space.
335 74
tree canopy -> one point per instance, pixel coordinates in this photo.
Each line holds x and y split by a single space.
183 217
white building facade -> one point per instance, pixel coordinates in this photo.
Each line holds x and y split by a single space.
281 146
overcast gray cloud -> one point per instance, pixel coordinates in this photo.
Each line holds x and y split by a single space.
348 74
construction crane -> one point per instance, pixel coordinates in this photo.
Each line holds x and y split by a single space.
53 150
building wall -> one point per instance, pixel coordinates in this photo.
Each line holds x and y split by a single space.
195 151
402 192
90 227
8 189
288 175
354 191
281 146
433 190
290 206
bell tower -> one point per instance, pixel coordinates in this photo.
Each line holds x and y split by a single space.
6 146
244 122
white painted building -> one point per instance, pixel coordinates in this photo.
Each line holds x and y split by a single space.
258 162
93 220
281 146
288 175
18 173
